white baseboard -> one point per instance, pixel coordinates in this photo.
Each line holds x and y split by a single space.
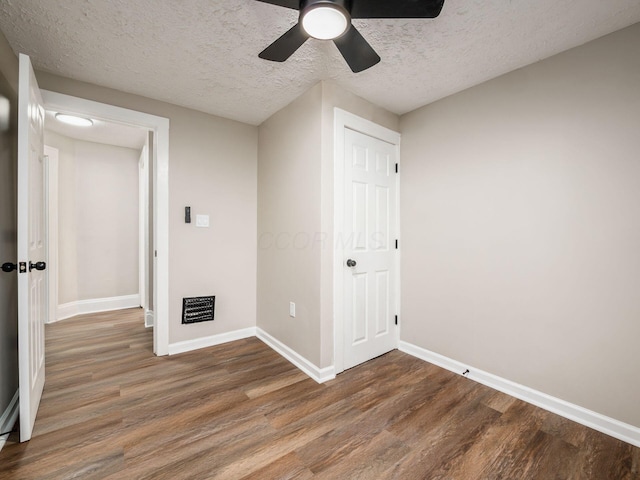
610 426
148 318
9 417
320 375
195 344
68 310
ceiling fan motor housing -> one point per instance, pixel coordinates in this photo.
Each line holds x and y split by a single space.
344 6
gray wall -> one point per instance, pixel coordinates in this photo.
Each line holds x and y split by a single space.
98 219
521 226
8 225
213 169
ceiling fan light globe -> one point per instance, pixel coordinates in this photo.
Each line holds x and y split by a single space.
325 22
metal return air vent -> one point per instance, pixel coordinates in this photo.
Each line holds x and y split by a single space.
198 309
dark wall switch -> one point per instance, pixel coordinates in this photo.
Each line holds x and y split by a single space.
187 214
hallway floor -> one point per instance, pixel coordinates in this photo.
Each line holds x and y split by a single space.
112 410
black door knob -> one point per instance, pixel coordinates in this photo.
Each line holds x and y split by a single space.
351 263
37 266
9 267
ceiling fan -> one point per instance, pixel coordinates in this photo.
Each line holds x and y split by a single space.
331 20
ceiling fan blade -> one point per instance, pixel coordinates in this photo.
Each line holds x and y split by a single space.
295 4
396 9
356 51
286 45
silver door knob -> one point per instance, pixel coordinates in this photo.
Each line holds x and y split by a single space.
351 263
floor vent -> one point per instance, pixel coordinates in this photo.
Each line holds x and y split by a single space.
198 309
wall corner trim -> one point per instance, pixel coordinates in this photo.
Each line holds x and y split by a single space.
211 341
94 305
320 375
607 425
9 417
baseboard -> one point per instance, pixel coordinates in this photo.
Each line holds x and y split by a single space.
320 375
71 309
9 417
610 426
204 342
148 318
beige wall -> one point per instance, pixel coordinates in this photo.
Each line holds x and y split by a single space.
213 169
334 97
98 219
520 226
295 218
289 147
8 252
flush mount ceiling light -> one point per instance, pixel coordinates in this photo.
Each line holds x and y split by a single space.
74 120
324 21
331 20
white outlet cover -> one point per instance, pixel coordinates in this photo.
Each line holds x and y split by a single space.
202 221
292 309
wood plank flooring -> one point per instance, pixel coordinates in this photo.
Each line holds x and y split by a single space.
111 410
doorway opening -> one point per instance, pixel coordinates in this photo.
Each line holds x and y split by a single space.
97 186
141 142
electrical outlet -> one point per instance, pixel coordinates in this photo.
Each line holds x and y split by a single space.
292 309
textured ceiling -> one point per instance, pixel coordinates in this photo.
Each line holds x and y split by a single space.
203 54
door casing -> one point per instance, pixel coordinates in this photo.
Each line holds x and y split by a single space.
160 127
342 121
51 206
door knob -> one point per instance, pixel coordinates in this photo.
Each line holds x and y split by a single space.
9 267
351 263
37 266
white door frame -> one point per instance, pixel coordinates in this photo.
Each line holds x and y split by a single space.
160 127
342 121
143 224
51 204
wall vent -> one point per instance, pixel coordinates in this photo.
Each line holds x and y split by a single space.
198 309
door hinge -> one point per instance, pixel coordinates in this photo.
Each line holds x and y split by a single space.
396 168
396 319
22 267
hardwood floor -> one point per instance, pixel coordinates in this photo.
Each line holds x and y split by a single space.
111 410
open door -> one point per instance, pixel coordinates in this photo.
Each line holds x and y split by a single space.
32 292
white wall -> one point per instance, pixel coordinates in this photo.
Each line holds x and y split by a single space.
98 219
213 169
521 226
